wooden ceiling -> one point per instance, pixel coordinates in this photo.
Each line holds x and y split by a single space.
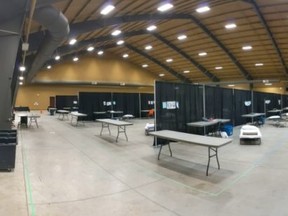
262 24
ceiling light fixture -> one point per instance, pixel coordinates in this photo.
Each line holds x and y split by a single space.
22 68
231 85
203 9
165 7
145 65
49 67
248 47
169 60
90 49
75 59
21 77
230 26
72 41
151 28
182 37
116 32
186 71
218 67
57 57
120 42
161 75
107 9
125 55
100 52
20 83
202 54
259 64
268 84
148 47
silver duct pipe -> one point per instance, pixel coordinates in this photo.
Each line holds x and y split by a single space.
58 29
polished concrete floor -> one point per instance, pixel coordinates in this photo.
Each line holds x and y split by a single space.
64 170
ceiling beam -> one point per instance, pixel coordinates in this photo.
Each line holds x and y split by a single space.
270 34
168 69
205 71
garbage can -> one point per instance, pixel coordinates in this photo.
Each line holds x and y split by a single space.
228 128
8 142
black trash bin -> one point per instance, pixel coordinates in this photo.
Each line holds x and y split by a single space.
8 142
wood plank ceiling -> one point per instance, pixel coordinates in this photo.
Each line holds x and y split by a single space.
261 24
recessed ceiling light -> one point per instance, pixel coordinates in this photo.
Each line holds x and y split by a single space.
120 42
49 67
218 67
145 65
202 54
106 10
169 60
259 64
151 28
72 41
20 83
203 9
100 52
182 37
125 55
186 71
116 32
165 7
161 75
148 47
230 26
90 49
75 59
268 84
248 47
22 68
57 57
21 78
231 85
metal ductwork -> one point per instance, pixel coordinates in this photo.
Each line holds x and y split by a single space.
57 30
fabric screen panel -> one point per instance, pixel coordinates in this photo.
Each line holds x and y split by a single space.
147 102
126 102
241 97
90 102
66 101
284 101
258 102
177 104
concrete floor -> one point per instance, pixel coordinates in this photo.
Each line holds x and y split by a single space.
63 170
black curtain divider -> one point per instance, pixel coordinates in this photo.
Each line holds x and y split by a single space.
284 101
242 99
263 102
177 104
90 102
69 102
147 103
126 102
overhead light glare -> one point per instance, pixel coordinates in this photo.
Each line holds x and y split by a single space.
22 68
90 49
100 52
116 32
151 28
72 41
230 26
203 9
125 55
169 60
231 85
182 37
145 65
259 64
106 10
248 47
75 59
165 7
21 78
57 57
161 75
186 71
218 67
268 84
202 54
20 83
120 42
148 47
49 67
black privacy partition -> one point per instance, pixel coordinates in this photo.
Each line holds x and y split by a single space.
146 103
218 102
68 102
128 103
90 102
242 105
177 104
265 102
284 101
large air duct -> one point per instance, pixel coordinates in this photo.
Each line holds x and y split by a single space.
57 30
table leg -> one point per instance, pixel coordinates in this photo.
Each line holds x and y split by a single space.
215 150
161 145
121 129
105 125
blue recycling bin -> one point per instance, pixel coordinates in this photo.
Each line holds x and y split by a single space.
228 128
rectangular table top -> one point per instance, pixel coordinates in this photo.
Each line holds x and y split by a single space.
78 114
114 122
251 115
63 111
191 138
207 123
